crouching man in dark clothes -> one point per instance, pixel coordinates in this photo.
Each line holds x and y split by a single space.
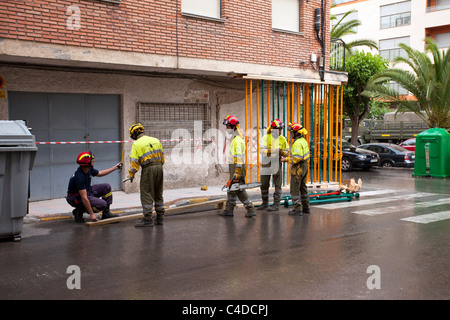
87 198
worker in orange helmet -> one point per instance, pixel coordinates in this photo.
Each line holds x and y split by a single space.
87 198
299 169
236 167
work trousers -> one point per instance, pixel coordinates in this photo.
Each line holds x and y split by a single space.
151 185
299 190
277 179
232 196
100 198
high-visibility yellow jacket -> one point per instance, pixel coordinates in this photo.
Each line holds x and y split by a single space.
145 150
236 151
269 144
299 151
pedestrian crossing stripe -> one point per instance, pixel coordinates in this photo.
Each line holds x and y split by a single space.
357 203
376 192
379 211
430 217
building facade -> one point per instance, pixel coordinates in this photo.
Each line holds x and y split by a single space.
85 70
390 22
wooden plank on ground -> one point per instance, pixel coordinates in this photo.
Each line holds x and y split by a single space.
219 204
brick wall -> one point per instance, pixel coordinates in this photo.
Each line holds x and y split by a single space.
158 27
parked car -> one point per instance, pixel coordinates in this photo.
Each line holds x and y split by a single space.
353 157
391 155
409 144
356 157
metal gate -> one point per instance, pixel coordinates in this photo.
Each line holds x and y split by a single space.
65 117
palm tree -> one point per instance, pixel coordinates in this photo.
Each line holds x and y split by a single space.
341 29
428 80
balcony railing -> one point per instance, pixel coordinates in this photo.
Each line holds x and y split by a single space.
337 54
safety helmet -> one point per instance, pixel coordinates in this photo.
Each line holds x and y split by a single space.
277 124
231 120
85 158
135 130
297 128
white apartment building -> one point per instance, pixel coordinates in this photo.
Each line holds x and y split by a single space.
390 22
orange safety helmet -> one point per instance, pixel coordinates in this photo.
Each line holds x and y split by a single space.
231 120
277 124
297 128
85 158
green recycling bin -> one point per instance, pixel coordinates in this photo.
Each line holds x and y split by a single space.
432 153
17 153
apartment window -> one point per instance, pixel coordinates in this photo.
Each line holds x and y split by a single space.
438 5
442 40
341 1
286 15
205 8
398 88
389 48
395 15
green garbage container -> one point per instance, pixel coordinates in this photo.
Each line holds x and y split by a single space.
433 153
17 153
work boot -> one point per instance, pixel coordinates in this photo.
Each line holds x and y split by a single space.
226 213
250 212
263 206
107 214
274 207
78 214
306 211
295 213
159 220
144 223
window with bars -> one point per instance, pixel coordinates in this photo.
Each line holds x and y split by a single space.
176 124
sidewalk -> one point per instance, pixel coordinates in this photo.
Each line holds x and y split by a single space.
126 202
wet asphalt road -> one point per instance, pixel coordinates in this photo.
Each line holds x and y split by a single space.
324 255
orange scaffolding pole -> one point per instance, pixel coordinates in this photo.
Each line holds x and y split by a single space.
340 135
257 131
245 132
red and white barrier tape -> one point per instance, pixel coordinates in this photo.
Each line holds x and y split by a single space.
89 142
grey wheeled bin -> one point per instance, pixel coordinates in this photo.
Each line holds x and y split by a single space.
17 153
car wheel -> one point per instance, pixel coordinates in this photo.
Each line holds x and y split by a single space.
346 164
387 164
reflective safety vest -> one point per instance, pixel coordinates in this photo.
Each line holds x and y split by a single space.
236 151
268 143
299 151
145 150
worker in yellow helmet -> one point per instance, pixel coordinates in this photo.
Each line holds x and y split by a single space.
147 152
236 166
273 147
299 170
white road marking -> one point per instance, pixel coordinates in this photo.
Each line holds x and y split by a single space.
378 211
356 203
430 217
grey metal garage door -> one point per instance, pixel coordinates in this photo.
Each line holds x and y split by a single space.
56 117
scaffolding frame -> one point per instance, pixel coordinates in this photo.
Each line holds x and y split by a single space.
317 106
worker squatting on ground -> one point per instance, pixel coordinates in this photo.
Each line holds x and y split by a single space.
299 169
273 147
83 196
237 169
147 152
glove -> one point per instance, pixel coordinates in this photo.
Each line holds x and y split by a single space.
297 171
283 153
237 173
128 179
